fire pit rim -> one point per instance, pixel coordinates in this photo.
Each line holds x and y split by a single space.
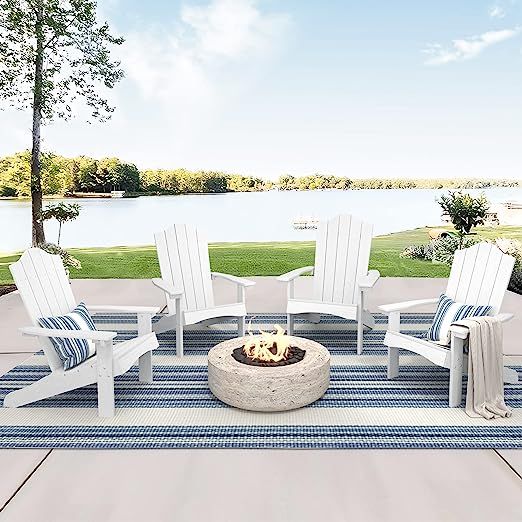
306 360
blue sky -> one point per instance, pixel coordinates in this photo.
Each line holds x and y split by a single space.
360 89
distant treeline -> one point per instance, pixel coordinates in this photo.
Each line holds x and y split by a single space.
66 176
317 181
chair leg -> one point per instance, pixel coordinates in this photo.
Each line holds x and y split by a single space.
105 379
394 325
360 332
360 326
179 329
455 384
46 387
289 324
241 326
145 365
179 339
145 361
393 362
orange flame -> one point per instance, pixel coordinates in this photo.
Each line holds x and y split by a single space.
268 347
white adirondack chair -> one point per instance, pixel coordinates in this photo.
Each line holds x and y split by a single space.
479 276
341 275
186 280
45 290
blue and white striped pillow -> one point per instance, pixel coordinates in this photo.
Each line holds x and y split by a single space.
72 352
449 312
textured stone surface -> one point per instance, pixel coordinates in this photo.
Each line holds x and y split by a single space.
278 388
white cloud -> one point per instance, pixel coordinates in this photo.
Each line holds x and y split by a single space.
181 64
464 49
231 28
497 11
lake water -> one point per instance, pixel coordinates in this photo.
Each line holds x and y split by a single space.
264 216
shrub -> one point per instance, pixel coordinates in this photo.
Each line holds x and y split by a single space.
8 192
444 248
515 283
513 248
418 252
68 260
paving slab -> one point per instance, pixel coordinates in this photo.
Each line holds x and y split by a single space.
15 467
514 457
275 486
12 317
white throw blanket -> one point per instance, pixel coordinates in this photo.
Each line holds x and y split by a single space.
485 393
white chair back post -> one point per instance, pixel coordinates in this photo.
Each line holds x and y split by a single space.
184 262
45 290
480 275
342 254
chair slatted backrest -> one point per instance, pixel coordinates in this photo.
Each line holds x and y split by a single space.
342 255
184 262
480 275
45 291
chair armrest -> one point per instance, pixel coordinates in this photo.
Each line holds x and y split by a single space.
89 335
153 310
397 307
294 274
462 332
168 288
369 280
241 281
505 317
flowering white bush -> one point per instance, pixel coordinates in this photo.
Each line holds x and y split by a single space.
512 247
444 248
441 250
418 252
68 260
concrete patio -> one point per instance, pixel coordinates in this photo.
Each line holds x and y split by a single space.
306 485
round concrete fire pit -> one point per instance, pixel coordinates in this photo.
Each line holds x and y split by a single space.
276 388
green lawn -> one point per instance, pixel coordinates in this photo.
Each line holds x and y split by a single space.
250 259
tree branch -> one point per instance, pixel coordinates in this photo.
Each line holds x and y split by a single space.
63 30
33 6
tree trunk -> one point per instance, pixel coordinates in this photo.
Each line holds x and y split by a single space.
38 234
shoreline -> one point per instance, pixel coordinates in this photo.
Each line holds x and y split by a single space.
498 231
133 195
257 258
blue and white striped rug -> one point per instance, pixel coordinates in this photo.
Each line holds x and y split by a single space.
361 409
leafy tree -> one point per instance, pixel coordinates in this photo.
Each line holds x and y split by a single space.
464 210
15 175
115 175
53 52
62 212
86 177
213 182
287 182
238 183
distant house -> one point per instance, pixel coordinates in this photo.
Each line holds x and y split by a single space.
508 213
